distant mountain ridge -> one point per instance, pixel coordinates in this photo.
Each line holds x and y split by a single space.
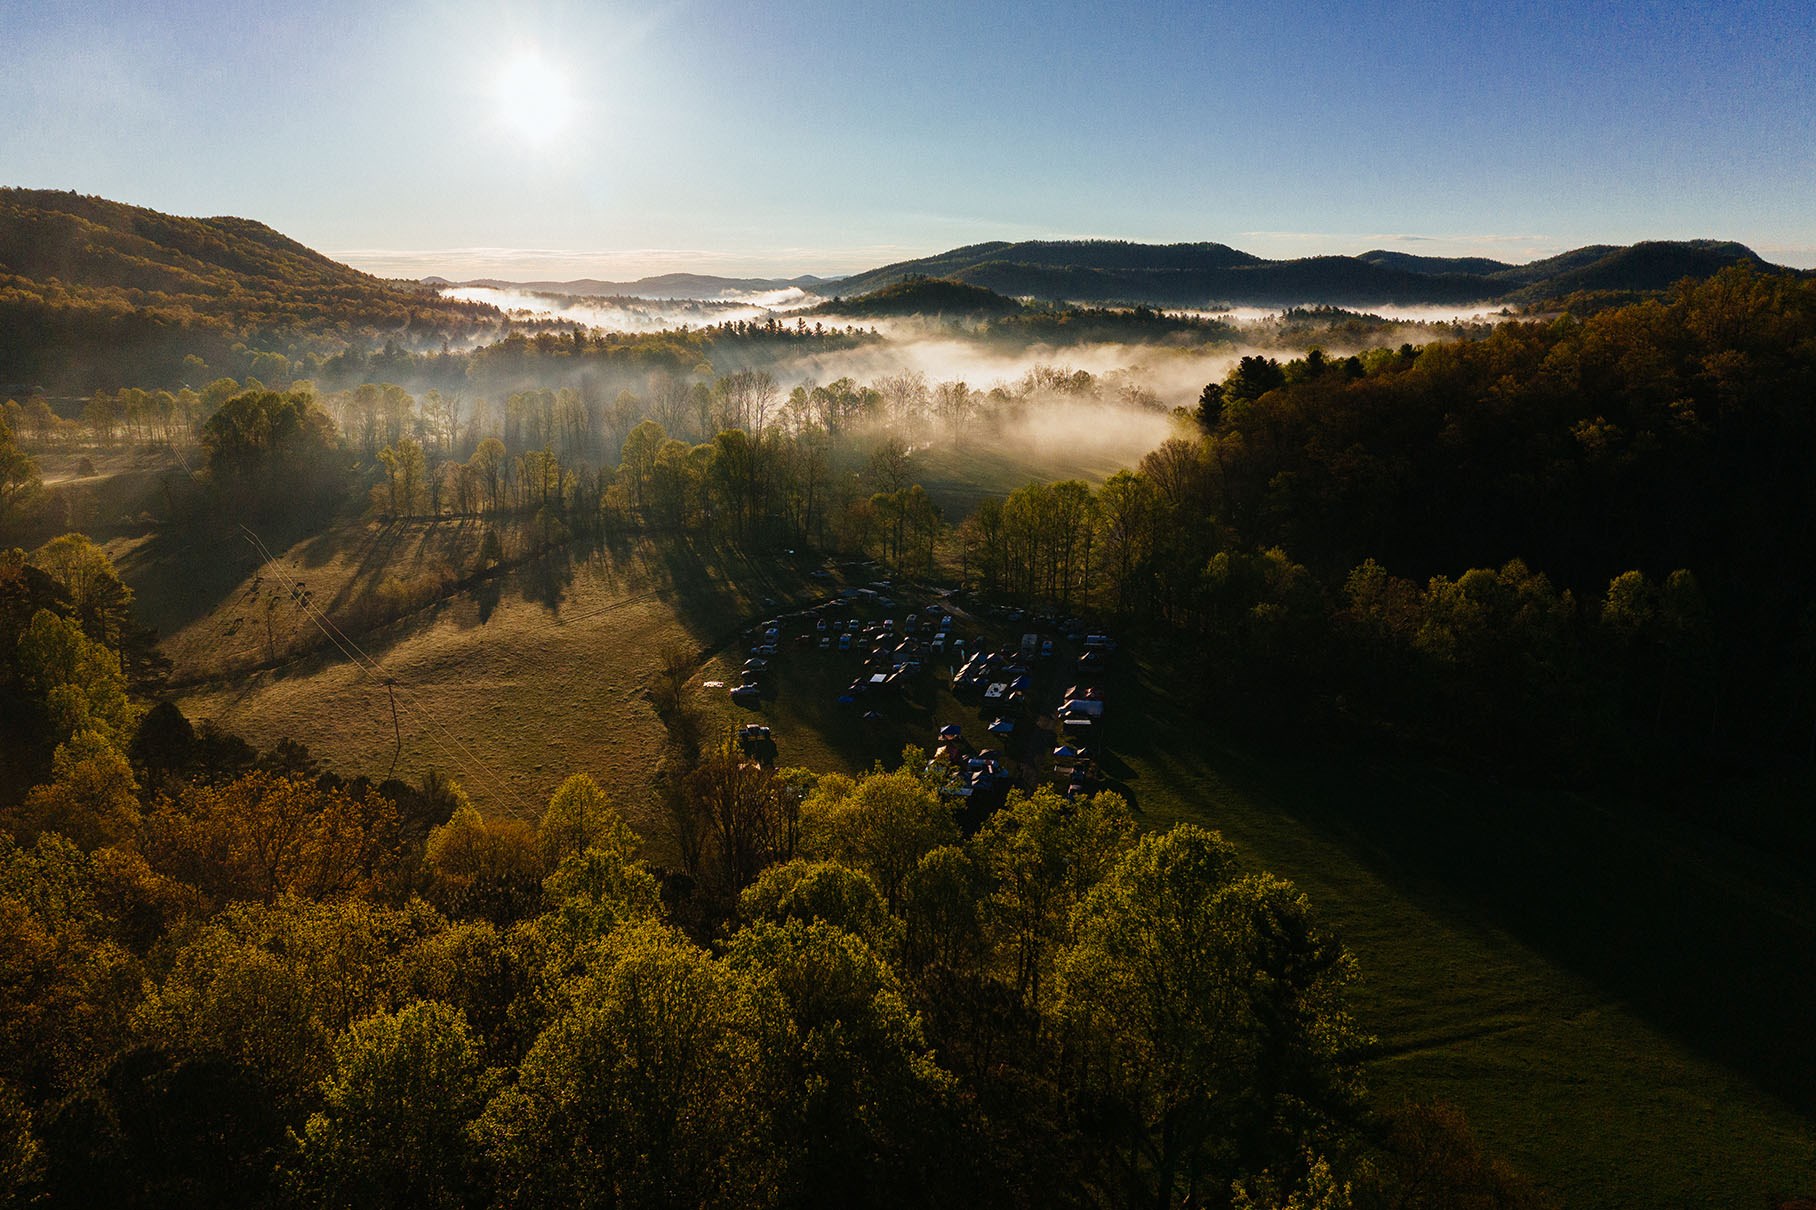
1101 271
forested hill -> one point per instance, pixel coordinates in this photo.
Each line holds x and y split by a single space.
923 296
87 283
1204 273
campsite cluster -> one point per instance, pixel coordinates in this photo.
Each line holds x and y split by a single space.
1020 739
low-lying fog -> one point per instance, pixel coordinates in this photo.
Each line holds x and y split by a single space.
1126 411
613 313
1482 312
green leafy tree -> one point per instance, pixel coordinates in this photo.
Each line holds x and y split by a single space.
20 483
751 813
267 448
646 1091
1042 855
579 817
827 891
267 988
858 1098
66 988
98 599
406 477
392 1130
92 796
1211 1015
881 823
77 682
484 868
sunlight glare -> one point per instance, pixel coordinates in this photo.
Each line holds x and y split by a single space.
533 97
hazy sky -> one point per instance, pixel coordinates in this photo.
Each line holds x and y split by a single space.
561 138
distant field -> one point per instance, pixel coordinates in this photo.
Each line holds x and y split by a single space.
1096 444
1596 990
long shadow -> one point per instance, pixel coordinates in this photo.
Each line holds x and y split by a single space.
546 578
1605 890
715 590
184 571
702 582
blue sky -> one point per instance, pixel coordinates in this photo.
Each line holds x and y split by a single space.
561 138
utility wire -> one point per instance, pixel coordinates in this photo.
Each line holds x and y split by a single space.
371 668
375 671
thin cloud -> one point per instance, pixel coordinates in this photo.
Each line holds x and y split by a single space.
1798 256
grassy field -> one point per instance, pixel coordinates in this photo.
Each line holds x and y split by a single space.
1562 975
509 687
1617 1002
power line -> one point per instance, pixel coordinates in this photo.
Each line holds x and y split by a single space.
373 670
457 752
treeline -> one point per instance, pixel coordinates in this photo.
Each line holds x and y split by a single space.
1568 546
229 978
822 465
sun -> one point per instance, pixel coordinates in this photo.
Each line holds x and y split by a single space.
533 97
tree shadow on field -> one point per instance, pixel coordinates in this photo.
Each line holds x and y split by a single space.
486 595
1707 941
714 591
546 578
184 572
379 551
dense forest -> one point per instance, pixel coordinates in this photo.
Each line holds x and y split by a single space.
1566 544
